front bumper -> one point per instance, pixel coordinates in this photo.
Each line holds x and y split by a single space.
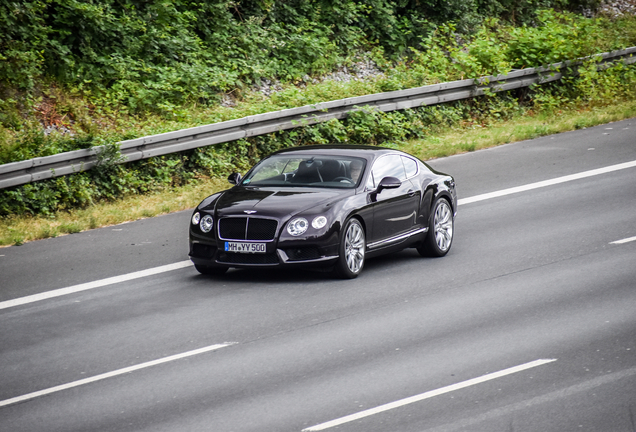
208 253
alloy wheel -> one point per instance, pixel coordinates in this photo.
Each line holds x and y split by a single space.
354 247
443 226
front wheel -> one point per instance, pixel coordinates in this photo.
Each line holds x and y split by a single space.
441 226
352 248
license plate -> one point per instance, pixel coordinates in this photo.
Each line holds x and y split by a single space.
241 247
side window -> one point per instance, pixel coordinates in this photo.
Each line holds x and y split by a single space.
410 166
370 182
388 166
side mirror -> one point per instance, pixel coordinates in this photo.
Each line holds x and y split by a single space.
235 178
389 183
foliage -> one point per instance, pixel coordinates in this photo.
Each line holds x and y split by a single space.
157 55
111 180
78 74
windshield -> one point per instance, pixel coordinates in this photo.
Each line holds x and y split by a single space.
314 171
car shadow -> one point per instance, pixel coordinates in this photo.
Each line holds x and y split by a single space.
289 275
269 276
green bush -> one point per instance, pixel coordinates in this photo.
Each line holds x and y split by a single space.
105 69
156 55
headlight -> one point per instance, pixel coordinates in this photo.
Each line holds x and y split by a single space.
206 223
196 218
319 222
297 226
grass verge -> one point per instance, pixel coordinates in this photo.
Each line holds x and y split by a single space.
476 137
16 230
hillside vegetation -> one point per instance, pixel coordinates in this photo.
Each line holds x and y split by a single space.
75 74
156 55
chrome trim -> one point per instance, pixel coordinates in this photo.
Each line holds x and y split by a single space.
403 218
285 259
397 238
243 265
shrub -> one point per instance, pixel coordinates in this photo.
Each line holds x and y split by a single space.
150 67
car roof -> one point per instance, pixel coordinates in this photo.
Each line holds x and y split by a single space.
364 151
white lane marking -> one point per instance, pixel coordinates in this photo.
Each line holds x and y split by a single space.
114 373
546 183
627 240
428 395
182 264
94 284
561 395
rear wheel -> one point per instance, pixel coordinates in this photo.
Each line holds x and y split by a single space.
352 248
208 270
441 227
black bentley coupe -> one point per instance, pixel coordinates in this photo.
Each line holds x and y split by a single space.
328 206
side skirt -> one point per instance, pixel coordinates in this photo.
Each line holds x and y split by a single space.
394 241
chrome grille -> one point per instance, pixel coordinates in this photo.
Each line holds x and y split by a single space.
247 228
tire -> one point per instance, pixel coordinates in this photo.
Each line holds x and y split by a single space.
352 249
212 271
441 227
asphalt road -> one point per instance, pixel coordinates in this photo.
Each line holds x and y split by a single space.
529 324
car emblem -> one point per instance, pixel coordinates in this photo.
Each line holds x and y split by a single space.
249 211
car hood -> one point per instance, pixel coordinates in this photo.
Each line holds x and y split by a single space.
273 203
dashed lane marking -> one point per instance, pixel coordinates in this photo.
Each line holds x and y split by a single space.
428 395
546 183
183 264
113 374
94 284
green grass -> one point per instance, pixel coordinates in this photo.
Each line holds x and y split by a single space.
454 141
15 230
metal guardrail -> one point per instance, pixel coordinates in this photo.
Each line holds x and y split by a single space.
18 173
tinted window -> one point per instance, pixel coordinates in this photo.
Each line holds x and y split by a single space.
388 166
410 166
313 170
